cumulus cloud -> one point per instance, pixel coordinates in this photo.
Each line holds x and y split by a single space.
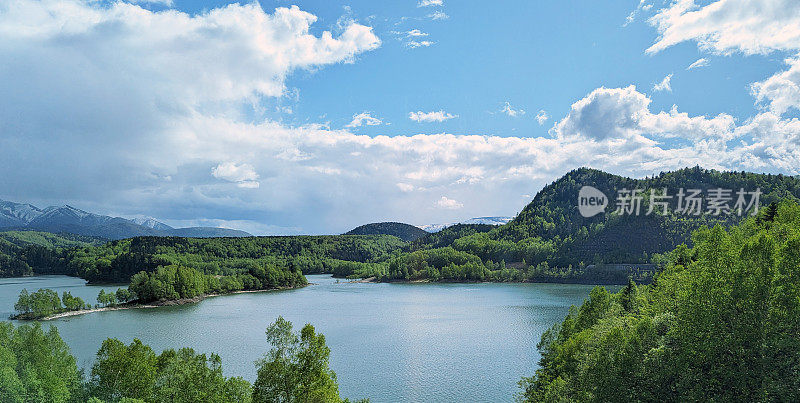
438 116
726 26
508 110
448 203
364 118
624 114
120 108
664 85
781 91
542 117
701 62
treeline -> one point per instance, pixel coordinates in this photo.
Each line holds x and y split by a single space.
46 302
166 283
24 253
118 261
451 264
36 366
175 282
720 323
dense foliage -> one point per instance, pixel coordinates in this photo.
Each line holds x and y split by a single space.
118 261
36 367
179 282
24 252
720 323
45 302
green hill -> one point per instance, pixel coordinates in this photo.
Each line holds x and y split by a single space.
405 232
24 252
551 241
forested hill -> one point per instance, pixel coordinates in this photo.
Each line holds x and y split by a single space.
551 241
609 237
405 232
24 252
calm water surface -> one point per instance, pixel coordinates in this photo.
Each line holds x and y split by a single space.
389 342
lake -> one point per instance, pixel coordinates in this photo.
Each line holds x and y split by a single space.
389 342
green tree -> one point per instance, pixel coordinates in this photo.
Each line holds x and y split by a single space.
124 295
124 371
36 366
184 376
296 369
72 303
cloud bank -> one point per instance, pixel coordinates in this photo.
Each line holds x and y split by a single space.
123 110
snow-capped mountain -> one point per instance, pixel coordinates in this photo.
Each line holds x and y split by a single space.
17 214
69 219
151 222
475 220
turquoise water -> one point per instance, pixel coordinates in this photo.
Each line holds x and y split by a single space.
389 342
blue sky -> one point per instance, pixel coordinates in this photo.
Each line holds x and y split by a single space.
296 117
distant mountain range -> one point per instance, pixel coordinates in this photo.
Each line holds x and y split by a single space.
476 220
68 219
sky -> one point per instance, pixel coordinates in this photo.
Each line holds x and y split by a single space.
313 117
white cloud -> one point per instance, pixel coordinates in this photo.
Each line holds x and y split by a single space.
639 7
224 54
429 3
701 62
542 117
624 113
415 33
448 203
664 85
405 187
508 110
781 91
243 175
726 26
412 37
159 100
364 118
744 26
167 3
419 44
438 15
438 116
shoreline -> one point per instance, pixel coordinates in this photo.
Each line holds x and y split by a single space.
149 305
